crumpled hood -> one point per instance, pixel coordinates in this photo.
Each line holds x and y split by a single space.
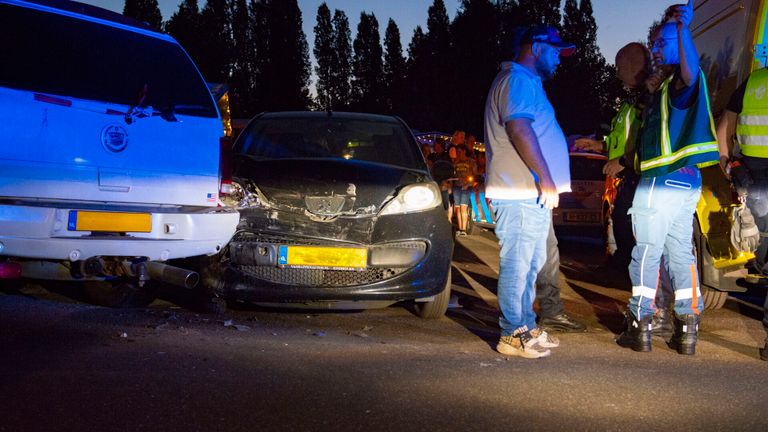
325 187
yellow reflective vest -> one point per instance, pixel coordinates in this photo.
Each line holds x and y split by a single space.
752 126
623 129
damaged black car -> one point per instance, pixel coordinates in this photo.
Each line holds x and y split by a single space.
337 210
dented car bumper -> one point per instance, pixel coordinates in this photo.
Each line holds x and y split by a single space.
403 257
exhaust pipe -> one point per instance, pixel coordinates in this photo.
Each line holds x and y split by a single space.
172 275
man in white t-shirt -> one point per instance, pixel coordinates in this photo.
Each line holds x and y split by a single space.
527 169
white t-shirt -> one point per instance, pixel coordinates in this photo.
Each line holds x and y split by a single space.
518 93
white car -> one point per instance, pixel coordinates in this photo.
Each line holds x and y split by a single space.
109 153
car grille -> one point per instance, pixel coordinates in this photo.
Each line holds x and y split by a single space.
320 277
247 236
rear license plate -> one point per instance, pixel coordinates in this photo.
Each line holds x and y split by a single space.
323 257
109 221
591 217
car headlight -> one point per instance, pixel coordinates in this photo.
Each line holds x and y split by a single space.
414 198
243 195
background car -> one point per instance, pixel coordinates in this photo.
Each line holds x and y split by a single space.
579 210
338 210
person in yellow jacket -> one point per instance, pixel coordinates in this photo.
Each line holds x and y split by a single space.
746 117
677 137
632 69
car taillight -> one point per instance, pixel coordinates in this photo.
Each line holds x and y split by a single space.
10 270
225 184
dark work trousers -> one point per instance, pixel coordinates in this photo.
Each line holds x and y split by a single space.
548 280
625 236
622 222
757 201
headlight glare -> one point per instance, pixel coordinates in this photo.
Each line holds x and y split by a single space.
414 198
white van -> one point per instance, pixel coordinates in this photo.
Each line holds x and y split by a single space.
110 147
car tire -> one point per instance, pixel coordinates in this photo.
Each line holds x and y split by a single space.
119 293
438 306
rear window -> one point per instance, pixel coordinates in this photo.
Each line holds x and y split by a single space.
56 54
587 168
378 141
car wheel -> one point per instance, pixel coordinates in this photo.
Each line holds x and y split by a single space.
437 307
119 293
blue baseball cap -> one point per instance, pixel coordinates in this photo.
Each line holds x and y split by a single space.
548 35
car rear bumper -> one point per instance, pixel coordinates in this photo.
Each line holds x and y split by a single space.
43 233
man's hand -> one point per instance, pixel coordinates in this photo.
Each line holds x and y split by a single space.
612 168
549 197
724 166
589 144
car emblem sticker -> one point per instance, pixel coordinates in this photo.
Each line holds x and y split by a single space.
325 205
114 138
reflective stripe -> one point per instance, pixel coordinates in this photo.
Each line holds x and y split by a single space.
627 125
754 140
753 120
643 291
687 151
666 145
683 294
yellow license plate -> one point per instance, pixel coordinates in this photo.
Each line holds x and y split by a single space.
109 221
324 257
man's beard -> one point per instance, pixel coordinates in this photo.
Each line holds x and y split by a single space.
544 71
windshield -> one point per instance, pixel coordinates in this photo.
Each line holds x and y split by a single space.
587 168
380 141
56 54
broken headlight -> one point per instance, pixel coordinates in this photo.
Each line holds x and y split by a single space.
243 195
414 198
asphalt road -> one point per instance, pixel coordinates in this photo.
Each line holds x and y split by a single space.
69 366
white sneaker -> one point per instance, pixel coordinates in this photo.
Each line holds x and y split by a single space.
521 344
545 339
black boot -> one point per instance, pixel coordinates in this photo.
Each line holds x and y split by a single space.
685 334
764 351
661 323
637 334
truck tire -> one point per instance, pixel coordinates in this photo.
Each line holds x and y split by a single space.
712 298
437 307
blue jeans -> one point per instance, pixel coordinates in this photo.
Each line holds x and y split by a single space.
662 219
521 227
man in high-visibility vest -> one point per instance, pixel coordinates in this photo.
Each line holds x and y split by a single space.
676 138
633 69
746 117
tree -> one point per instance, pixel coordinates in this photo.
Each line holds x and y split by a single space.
340 86
284 68
367 65
418 113
394 69
217 46
324 56
540 12
241 88
144 10
475 42
184 26
581 109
